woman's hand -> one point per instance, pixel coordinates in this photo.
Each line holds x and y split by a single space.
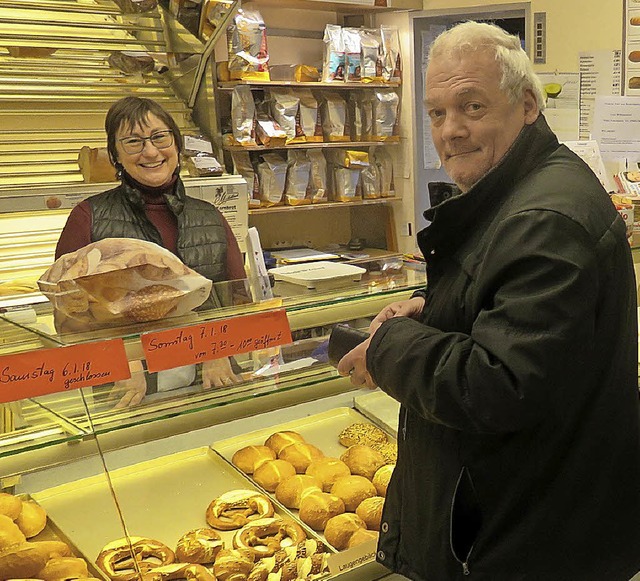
218 373
130 392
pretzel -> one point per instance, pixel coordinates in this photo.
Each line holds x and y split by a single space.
186 571
236 508
117 562
199 546
264 537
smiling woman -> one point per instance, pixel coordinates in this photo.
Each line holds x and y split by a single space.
144 144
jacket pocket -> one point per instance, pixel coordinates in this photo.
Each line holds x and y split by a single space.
465 519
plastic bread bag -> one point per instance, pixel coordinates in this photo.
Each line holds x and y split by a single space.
247 46
333 62
203 165
243 112
120 280
371 54
196 143
297 190
309 114
136 6
384 163
333 110
272 171
391 61
131 62
351 38
318 176
354 114
268 131
243 166
366 101
285 110
95 165
385 115
370 182
345 181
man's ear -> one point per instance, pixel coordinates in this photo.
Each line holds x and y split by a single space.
531 109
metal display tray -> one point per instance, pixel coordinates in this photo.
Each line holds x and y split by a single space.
161 499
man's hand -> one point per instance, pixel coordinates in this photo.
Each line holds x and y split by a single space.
411 308
354 364
130 392
218 373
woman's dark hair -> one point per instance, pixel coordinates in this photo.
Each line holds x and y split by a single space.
133 111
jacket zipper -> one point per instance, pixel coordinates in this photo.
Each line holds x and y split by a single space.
465 564
404 424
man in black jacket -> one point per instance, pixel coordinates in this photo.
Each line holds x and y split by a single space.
516 367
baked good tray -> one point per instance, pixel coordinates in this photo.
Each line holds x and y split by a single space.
161 499
321 430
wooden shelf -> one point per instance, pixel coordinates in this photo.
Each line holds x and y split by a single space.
322 205
313 85
311 145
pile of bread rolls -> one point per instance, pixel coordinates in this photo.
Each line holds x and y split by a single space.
339 497
24 558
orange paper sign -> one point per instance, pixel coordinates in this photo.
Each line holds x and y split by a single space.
215 339
52 370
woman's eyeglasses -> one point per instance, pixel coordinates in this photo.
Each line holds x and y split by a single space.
160 140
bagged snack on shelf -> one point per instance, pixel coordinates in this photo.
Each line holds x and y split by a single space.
391 61
242 165
120 280
203 165
297 191
284 109
195 143
306 74
243 112
385 115
318 177
131 62
333 62
309 116
366 105
370 182
384 163
136 6
247 46
268 131
345 183
348 158
95 165
352 70
371 55
354 114
334 118
272 171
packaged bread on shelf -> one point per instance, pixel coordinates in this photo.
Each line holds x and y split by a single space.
95 165
121 280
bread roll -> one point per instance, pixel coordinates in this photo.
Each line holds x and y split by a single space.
363 460
279 440
362 433
382 477
635 21
328 470
249 458
10 505
32 519
10 533
63 568
317 508
634 56
300 454
291 490
340 528
370 511
272 473
353 490
362 536
199 546
389 451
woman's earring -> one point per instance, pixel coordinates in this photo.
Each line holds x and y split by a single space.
119 169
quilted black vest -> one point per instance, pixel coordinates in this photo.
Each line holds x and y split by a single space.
202 242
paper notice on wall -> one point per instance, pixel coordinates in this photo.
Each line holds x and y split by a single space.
616 127
600 74
590 154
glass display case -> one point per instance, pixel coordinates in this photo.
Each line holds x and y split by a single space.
86 457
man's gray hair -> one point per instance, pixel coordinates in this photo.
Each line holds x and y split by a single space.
518 75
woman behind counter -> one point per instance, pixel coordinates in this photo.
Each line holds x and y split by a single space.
144 145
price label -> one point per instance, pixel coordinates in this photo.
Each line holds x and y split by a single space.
46 371
215 339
